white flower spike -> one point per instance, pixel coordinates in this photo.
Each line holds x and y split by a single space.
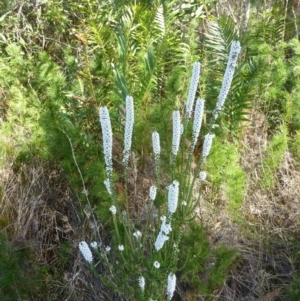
142 283
113 209
235 50
85 251
171 285
193 89
173 194
199 109
202 175
160 241
156 144
176 132
152 193
108 186
107 138
208 138
128 128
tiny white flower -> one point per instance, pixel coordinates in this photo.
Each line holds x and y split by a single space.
156 264
142 283
94 244
163 218
113 209
107 249
171 285
176 132
85 251
152 193
121 248
173 194
208 138
137 234
181 128
184 203
202 175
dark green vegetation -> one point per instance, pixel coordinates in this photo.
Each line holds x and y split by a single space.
61 60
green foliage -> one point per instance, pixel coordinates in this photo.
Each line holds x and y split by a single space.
293 291
19 277
225 174
273 157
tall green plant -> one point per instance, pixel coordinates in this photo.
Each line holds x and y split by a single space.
140 258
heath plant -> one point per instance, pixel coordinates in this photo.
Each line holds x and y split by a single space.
141 260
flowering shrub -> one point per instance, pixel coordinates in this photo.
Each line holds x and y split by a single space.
147 255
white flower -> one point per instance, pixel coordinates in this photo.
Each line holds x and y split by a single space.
156 264
160 240
199 109
173 194
107 249
235 49
208 138
107 184
121 248
142 283
176 132
184 203
107 138
202 175
128 128
94 244
152 193
156 144
137 234
113 209
181 128
85 251
193 89
171 285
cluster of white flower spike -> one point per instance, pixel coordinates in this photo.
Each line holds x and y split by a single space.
171 285
229 72
208 138
198 116
85 251
128 128
176 132
152 192
192 90
107 138
173 194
